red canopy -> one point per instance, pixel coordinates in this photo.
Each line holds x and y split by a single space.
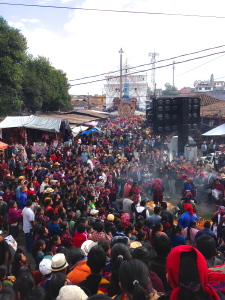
3 146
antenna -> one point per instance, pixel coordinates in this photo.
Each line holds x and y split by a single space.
153 61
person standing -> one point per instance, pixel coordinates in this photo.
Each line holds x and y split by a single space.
204 149
28 223
4 250
172 175
128 206
127 188
200 182
221 159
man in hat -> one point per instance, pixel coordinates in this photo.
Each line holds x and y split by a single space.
58 265
44 184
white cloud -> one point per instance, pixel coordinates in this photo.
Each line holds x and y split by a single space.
45 2
91 40
33 21
66 1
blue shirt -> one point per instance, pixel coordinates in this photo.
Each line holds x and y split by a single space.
154 219
207 232
186 218
53 229
177 240
23 199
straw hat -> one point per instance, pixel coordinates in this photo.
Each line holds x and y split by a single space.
58 262
48 190
135 245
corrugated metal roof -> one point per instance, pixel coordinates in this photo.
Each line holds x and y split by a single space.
91 113
73 118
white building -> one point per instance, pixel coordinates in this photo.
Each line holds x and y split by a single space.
207 86
134 88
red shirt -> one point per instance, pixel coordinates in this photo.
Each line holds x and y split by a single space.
79 238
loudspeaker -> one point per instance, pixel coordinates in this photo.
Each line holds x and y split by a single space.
149 115
170 113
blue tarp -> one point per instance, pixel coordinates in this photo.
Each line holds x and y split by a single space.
90 131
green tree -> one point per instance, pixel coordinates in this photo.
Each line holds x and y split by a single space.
13 48
169 90
44 87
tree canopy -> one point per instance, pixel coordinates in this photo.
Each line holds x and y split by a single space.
169 89
26 81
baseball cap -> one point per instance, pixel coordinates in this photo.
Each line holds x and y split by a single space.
45 266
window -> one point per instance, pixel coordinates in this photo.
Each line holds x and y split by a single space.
199 89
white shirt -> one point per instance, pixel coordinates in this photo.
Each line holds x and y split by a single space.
28 216
42 187
127 206
140 210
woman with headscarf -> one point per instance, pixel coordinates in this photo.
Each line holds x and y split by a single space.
219 221
188 275
218 191
187 198
189 215
157 191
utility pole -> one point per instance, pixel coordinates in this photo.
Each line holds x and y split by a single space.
121 73
88 100
173 71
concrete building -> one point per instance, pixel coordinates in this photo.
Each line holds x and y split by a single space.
134 88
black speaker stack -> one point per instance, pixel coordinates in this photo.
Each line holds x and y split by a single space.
174 115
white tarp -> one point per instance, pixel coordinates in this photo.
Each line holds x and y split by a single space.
220 130
78 129
45 124
33 122
10 122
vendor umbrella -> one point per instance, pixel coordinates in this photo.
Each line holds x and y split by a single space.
90 131
3 146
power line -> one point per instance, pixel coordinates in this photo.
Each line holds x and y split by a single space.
201 65
220 78
129 68
160 67
112 10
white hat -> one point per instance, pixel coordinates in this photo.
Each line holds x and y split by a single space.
71 292
45 266
48 190
100 177
59 262
94 212
87 245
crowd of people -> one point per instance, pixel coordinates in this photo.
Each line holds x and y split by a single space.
89 231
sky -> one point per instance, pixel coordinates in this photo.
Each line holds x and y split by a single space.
84 43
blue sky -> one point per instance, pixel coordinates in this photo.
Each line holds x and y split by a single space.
84 43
